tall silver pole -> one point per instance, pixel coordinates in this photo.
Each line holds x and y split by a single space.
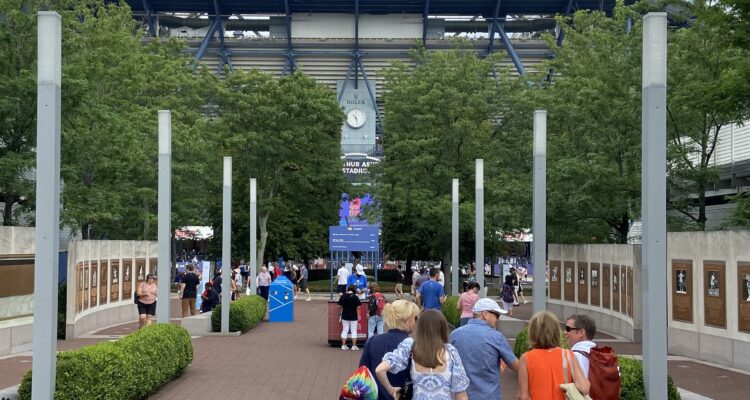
653 195
165 214
253 233
454 239
479 225
226 246
47 205
539 256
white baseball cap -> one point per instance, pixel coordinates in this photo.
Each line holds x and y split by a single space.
360 269
488 305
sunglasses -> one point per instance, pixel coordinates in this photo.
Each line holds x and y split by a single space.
569 328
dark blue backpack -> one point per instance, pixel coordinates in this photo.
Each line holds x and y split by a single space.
507 293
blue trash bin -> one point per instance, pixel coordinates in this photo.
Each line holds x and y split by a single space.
281 300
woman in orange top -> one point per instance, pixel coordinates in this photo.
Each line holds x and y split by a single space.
540 372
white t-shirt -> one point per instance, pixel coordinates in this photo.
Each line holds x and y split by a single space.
441 279
583 361
343 275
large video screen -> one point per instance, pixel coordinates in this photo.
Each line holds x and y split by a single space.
352 208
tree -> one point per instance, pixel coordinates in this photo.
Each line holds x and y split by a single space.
703 75
439 117
594 128
286 133
17 105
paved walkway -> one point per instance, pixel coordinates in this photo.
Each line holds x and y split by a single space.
294 361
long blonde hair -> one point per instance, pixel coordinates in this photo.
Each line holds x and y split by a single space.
397 313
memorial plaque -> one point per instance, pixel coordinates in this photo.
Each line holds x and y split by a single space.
582 274
554 279
743 278
714 293
86 289
630 292
606 287
127 279
623 290
94 293
616 288
103 282
595 289
682 290
153 268
568 271
80 293
140 270
114 285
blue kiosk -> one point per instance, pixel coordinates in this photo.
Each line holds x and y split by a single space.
281 300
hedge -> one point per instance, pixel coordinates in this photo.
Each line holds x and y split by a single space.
131 368
631 370
244 314
452 314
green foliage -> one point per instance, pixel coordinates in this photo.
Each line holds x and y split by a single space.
439 117
631 375
62 309
452 314
741 215
244 314
286 133
131 368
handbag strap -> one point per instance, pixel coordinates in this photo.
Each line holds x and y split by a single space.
565 363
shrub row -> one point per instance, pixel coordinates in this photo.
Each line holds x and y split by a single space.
452 314
631 370
244 314
131 368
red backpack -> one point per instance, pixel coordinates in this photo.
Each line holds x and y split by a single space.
604 373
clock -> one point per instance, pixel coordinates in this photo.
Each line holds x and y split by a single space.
356 118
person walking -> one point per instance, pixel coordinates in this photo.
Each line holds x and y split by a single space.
189 290
233 287
579 332
375 305
414 281
262 282
482 348
546 366
466 302
507 293
302 281
434 365
349 303
401 318
399 289
147 293
431 294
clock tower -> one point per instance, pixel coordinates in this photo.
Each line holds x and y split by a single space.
358 130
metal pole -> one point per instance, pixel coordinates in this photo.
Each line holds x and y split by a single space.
253 233
479 225
47 205
653 195
539 250
165 215
226 246
454 239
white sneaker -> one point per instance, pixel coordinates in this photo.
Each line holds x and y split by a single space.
295 297
308 299
355 347
525 301
345 347
515 304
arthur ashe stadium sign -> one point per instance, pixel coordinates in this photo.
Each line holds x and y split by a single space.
357 165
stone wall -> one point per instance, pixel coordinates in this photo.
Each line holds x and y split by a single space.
708 292
102 279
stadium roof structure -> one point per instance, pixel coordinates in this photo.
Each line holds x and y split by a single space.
486 8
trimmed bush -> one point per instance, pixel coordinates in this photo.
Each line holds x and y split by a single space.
631 370
244 314
452 314
385 275
62 302
631 375
130 368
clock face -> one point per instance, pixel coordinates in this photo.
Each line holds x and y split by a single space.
356 118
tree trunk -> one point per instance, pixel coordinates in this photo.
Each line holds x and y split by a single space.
622 228
447 270
263 221
87 231
146 221
8 211
701 208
